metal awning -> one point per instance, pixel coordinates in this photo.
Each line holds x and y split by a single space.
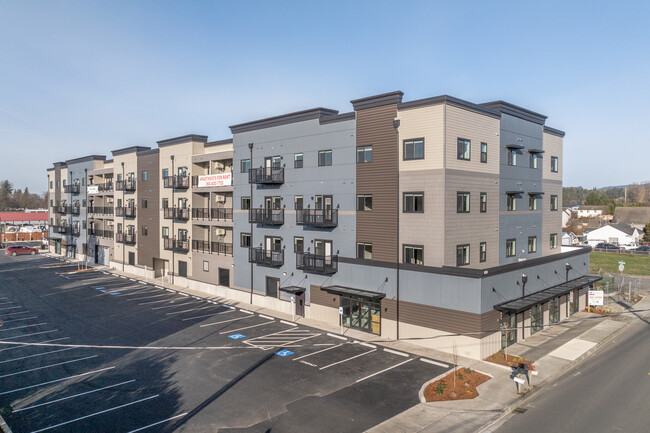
349 291
535 193
524 303
535 151
295 290
514 192
514 146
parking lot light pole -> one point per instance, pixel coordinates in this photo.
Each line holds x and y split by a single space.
250 206
123 210
396 126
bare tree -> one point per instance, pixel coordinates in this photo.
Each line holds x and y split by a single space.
454 359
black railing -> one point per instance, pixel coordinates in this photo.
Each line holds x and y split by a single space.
221 213
273 217
73 210
266 175
125 238
266 257
74 189
125 185
125 211
318 217
200 213
201 246
176 244
176 213
178 182
101 233
317 263
101 210
61 209
221 248
102 187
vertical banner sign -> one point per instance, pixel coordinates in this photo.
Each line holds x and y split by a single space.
222 179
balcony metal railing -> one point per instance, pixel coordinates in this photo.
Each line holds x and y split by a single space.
317 263
71 189
125 238
266 257
273 217
125 185
103 187
176 213
221 248
176 244
318 217
221 214
101 233
61 209
125 211
73 210
201 246
101 210
178 182
266 175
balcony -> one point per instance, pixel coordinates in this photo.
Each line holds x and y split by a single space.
176 213
221 248
178 182
102 187
108 234
219 214
73 210
200 213
125 185
125 238
201 246
62 230
271 217
100 210
176 244
324 218
317 263
125 211
62 209
265 257
71 189
268 176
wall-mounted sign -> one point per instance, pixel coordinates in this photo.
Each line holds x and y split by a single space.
222 179
595 297
93 189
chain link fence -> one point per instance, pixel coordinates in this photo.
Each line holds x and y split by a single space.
621 288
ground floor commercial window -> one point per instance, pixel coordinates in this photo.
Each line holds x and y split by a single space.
554 310
362 314
508 330
536 319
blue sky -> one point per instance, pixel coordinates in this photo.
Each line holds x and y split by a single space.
88 77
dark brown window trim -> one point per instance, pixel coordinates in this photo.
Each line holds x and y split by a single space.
404 158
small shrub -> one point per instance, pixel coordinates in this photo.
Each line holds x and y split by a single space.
495 356
468 371
460 376
469 391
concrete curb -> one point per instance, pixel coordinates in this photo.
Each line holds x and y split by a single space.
3 425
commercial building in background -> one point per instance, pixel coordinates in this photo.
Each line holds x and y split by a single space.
435 220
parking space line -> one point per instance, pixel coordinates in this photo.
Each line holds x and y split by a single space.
57 380
429 361
348 359
183 294
159 422
187 311
19 320
73 396
329 334
323 344
22 327
48 366
13 314
247 327
385 370
174 305
288 323
28 335
5 303
320 351
223 321
25 345
11 308
266 317
206 315
132 279
146 297
395 352
246 311
157 302
372 346
96 413
36 355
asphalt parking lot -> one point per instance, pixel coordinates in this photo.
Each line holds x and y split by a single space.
120 355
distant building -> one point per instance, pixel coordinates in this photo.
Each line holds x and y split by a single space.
591 211
636 217
22 226
619 234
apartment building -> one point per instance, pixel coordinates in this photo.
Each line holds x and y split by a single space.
435 220
101 213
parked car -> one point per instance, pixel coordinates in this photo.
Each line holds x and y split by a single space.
606 246
20 249
645 248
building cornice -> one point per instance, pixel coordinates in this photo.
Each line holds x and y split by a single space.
285 119
554 131
516 111
183 139
450 100
377 100
130 149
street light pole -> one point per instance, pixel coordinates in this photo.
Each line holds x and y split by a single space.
123 211
397 248
250 206
86 194
173 218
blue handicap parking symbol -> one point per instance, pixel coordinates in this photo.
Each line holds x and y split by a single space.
236 336
115 293
100 288
284 353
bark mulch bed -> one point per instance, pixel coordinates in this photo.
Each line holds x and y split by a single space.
511 361
598 311
466 382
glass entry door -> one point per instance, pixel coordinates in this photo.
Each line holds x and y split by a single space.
361 314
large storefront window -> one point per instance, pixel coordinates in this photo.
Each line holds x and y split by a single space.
536 319
554 310
361 314
508 330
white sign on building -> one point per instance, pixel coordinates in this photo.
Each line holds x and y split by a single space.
222 179
93 189
595 297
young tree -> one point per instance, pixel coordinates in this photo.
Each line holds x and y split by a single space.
6 189
646 230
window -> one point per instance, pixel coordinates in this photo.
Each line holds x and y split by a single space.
462 202
553 202
364 202
483 202
511 202
482 252
144 176
83 181
413 254
165 232
298 244
413 202
532 244
144 203
364 251
245 165
64 180
324 158
553 240
297 202
245 203
51 203
84 225
51 184
58 184
511 248
297 160
534 160
165 203
554 310
144 230
364 154
512 156
484 153
206 266
245 240
554 164
532 202
462 255
414 149
464 149
165 173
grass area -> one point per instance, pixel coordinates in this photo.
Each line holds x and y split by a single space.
608 262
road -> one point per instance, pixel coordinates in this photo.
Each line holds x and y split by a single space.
608 392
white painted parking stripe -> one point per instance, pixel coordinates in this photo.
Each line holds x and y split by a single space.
207 315
19 320
157 302
28 335
223 321
288 323
170 290
13 314
429 361
385 370
146 297
158 287
183 294
348 359
5 303
57 380
22 327
246 327
36 355
229 306
246 311
159 422
187 311
10 308
24 345
121 276
372 346
266 317
96 413
164 307
395 352
47 366
320 351
337 336
73 396
132 279
323 344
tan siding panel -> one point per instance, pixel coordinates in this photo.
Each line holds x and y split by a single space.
321 297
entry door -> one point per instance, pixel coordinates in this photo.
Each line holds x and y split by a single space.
106 258
182 171
328 207
97 248
131 258
272 286
300 304
268 163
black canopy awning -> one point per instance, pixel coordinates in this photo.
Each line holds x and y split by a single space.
514 146
535 151
349 291
295 290
536 193
524 303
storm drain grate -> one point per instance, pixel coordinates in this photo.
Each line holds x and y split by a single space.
519 410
